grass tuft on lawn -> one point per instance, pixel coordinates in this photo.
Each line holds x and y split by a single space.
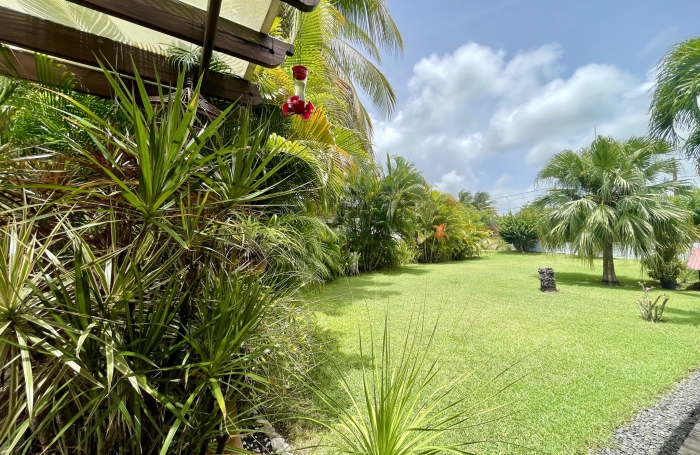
572 366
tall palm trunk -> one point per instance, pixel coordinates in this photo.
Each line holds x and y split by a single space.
609 277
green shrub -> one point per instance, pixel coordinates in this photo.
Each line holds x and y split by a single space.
407 253
651 311
139 291
663 264
519 229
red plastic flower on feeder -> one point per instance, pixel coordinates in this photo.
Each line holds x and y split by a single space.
296 104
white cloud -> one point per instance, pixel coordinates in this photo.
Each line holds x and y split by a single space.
477 112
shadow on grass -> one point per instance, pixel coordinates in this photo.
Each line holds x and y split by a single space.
332 362
415 269
681 317
350 290
353 292
591 280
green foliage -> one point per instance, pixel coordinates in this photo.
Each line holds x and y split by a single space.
519 229
613 192
393 217
480 201
485 206
651 311
674 105
376 213
142 255
407 254
690 202
663 264
446 230
341 42
402 408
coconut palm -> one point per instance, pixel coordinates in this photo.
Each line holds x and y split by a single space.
340 42
675 115
613 193
480 200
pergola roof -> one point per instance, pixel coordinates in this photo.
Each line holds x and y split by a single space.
122 34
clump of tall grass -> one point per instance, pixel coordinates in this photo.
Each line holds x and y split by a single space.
403 407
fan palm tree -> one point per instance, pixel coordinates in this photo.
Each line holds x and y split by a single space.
613 192
674 107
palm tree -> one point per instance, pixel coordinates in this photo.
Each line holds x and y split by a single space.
674 106
377 212
481 200
613 192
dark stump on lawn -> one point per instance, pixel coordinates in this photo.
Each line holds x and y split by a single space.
547 281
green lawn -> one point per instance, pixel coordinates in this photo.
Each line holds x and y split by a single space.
583 360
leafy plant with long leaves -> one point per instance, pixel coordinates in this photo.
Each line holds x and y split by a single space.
675 115
399 409
447 230
136 278
377 212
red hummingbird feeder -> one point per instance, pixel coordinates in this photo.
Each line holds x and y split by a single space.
296 104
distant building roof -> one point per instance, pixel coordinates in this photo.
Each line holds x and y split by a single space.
694 259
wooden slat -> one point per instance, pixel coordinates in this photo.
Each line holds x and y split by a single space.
691 446
303 5
90 80
57 40
213 12
187 23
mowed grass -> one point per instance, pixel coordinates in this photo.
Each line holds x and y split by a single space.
572 366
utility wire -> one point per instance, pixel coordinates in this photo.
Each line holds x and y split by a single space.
517 194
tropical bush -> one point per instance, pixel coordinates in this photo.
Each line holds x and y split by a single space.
663 264
613 192
690 202
140 256
519 229
375 213
148 251
391 216
447 230
481 202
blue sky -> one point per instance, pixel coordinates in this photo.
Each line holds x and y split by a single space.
489 90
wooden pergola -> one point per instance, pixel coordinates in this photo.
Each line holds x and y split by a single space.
30 29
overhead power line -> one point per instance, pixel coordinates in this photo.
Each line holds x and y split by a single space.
517 194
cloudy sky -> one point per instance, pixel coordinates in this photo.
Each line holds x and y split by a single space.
489 90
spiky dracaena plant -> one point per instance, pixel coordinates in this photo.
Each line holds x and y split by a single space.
131 300
399 409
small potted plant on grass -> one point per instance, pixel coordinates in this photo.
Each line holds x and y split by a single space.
664 266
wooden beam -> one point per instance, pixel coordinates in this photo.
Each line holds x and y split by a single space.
305 6
40 35
213 12
89 80
187 23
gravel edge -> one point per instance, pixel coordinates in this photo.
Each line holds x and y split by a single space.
662 428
